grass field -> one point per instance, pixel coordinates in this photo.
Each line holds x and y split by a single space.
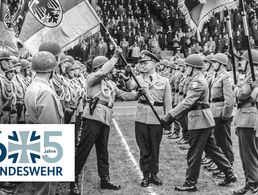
124 169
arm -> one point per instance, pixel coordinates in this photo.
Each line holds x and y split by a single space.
243 92
122 95
194 92
228 97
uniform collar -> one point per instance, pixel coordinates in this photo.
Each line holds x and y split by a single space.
41 80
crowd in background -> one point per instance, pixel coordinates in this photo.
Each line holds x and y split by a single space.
160 25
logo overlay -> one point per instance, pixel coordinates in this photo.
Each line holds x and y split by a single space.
47 12
37 153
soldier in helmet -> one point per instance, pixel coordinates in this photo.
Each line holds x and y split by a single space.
42 106
148 131
101 93
222 104
8 113
21 82
246 124
200 125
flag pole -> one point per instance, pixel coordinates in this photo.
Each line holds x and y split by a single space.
231 46
242 8
123 58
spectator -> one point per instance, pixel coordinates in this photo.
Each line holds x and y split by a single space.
136 52
102 48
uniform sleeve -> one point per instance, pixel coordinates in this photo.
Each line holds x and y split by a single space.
243 92
46 108
195 90
96 78
122 95
167 98
254 94
228 96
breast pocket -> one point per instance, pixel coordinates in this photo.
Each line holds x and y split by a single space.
158 90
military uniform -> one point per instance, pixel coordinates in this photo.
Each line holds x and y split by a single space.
148 131
222 104
244 121
200 126
97 118
42 106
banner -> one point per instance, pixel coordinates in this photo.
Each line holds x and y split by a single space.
197 12
63 21
7 36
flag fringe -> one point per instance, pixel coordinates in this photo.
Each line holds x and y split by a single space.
186 13
79 39
229 5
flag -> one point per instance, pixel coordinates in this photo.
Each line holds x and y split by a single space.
7 36
197 12
63 21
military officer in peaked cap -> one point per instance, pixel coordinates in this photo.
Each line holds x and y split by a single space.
42 106
147 127
200 126
246 124
222 104
101 93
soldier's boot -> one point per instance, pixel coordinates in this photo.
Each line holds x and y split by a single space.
146 179
106 184
241 191
155 180
187 186
230 177
74 187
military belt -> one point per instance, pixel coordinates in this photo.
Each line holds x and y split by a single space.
200 107
245 105
104 103
220 99
7 108
146 103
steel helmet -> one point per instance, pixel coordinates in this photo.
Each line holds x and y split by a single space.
180 62
44 61
15 61
51 47
254 53
194 60
99 61
172 65
208 58
164 62
4 55
221 58
66 58
25 64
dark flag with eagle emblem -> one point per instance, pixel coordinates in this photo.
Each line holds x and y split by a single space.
64 21
197 12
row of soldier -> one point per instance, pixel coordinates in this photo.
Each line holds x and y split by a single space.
88 101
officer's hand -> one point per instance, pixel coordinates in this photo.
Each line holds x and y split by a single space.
254 84
141 91
117 52
166 121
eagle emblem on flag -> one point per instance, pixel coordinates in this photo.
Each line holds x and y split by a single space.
47 12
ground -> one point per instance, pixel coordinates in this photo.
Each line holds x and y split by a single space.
124 168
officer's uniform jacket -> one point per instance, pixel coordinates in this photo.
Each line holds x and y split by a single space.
106 90
196 99
80 92
42 105
158 91
247 113
222 96
8 100
178 77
